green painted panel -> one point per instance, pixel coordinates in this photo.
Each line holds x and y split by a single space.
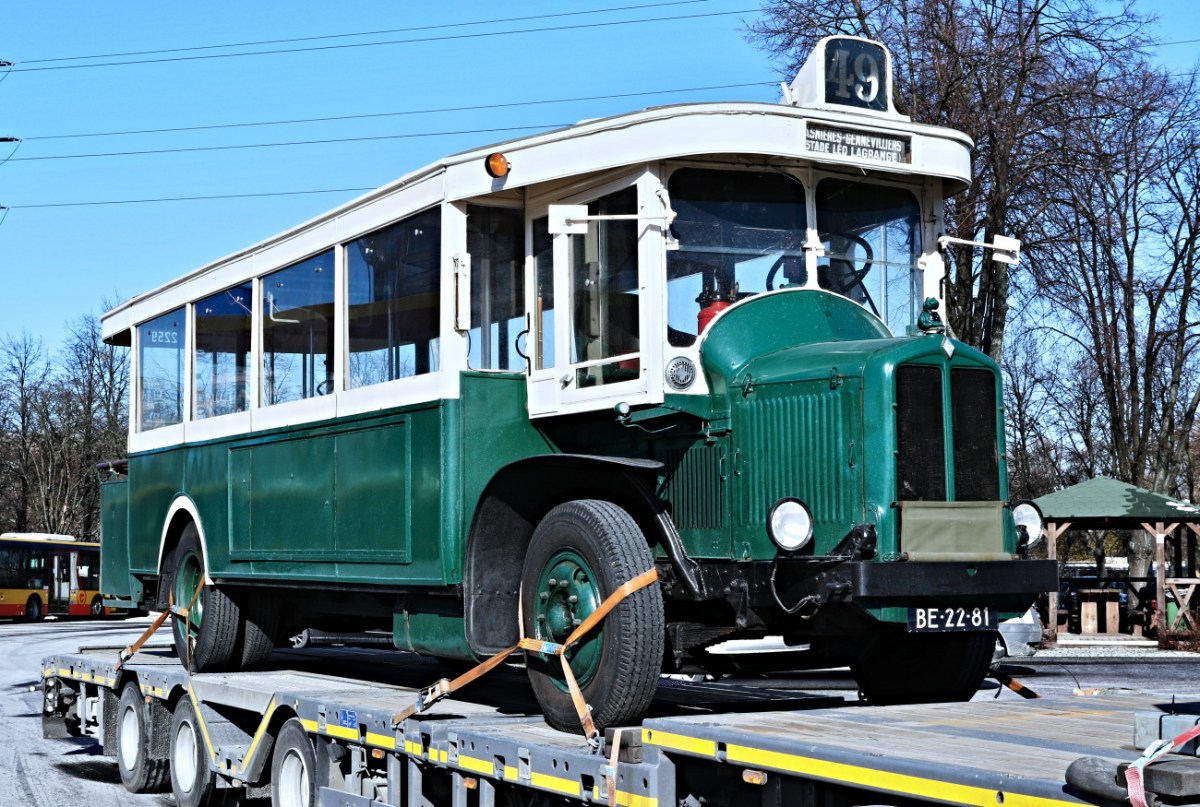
115 580
289 496
155 480
372 473
432 625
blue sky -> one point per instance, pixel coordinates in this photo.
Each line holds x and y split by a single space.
58 263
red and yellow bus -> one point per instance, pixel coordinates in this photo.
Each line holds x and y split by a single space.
43 574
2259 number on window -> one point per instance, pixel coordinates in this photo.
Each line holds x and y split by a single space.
943 620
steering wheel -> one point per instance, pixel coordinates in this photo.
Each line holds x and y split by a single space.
852 278
774 270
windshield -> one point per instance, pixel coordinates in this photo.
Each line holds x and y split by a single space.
871 238
741 233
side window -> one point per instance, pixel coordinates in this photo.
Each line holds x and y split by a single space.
298 331
604 293
496 241
223 324
543 267
160 381
395 300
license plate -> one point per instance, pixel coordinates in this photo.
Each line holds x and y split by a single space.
942 620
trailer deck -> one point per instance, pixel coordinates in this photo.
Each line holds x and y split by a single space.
703 743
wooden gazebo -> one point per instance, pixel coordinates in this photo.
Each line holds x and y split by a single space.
1103 503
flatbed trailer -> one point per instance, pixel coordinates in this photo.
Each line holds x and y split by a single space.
702 744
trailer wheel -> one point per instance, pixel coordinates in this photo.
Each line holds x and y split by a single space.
902 667
142 766
33 609
579 554
294 777
212 627
193 782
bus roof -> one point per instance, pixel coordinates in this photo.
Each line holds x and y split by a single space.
658 133
44 538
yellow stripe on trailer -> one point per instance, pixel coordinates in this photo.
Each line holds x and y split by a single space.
556 783
476 765
510 773
680 742
341 732
381 740
625 799
309 725
899 783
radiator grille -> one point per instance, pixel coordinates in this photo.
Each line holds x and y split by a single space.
920 435
976 460
800 447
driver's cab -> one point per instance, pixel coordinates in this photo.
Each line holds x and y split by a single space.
630 276
831 192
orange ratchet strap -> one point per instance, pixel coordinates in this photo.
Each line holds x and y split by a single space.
431 695
126 654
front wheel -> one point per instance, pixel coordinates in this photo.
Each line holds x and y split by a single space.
900 667
97 607
206 639
580 553
33 608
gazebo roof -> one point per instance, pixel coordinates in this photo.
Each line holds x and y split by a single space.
1110 502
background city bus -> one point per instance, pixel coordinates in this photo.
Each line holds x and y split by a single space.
43 574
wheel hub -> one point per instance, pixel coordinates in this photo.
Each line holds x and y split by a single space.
187 580
567 593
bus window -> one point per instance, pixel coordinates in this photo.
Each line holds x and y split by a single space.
298 331
395 300
222 352
496 241
543 267
604 292
160 360
739 233
872 241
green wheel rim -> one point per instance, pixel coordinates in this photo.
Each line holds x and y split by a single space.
566 594
187 579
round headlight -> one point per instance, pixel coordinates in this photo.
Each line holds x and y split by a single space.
790 524
1026 514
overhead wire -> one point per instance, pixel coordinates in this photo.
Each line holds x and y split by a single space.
403 113
381 32
415 40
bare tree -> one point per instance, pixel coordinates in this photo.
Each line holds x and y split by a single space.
1003 71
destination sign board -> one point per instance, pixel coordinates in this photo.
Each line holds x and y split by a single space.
838 142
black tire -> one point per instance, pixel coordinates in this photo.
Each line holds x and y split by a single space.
259 611
295 778
193 782
141 771
215 618
902 667
97 607
33 609
618 663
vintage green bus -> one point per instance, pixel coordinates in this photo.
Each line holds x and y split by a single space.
471 404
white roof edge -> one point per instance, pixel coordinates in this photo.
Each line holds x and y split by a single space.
113 323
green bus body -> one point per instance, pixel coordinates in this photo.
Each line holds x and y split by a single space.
803 405
473 404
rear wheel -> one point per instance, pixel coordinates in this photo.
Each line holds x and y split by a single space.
902 667
97 607
579 554
209 635
193 782
33 608
141 771
294 779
